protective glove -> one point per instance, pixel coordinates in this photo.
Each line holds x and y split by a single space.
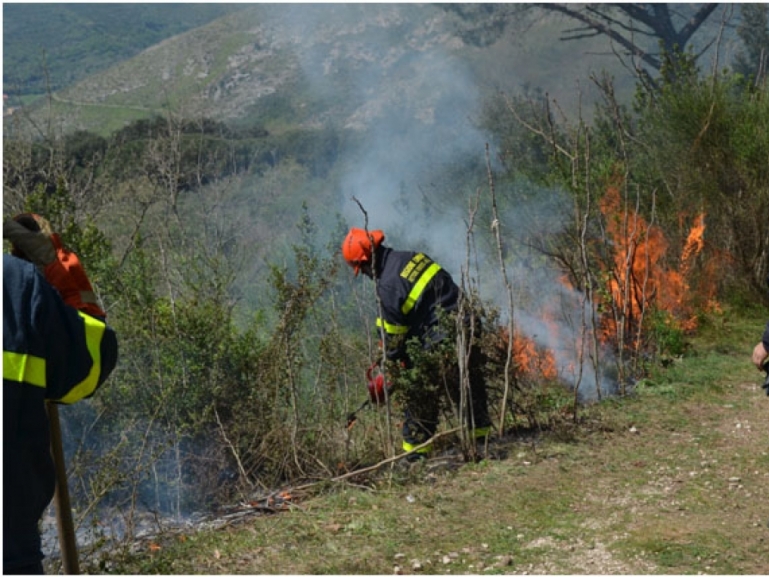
33 239
377 385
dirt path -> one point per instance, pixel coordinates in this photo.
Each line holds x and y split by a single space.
684 488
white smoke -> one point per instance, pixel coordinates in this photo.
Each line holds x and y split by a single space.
417 102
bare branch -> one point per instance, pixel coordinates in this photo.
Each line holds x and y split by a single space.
605 30
696 21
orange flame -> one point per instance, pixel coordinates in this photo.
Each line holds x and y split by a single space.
529 359
641 277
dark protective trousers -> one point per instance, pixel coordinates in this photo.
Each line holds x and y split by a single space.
425 400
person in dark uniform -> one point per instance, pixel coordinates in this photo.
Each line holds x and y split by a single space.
415 292
52 353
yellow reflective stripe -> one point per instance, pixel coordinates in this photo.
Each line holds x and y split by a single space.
419 286
391 329
24 368
408 447
94 330
481 432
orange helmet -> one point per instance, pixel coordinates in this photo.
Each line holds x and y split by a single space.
359 245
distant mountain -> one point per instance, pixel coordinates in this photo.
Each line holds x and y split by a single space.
320 64
53 45
339 65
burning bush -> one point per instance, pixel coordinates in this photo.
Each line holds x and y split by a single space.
642 276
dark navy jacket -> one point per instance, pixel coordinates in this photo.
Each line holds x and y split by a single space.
412 289
51 352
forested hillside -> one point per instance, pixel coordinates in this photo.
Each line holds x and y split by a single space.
596 209
50 46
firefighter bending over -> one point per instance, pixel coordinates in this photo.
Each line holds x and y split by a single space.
414 291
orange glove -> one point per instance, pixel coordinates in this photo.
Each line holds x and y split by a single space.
34 240
377 385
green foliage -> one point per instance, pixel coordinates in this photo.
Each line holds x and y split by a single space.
705 144
666 334
318 150
424 382
185 154
690 145
521 150
218 408
183 367
190 154
754 32
84 149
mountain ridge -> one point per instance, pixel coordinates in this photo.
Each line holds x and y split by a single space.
341 65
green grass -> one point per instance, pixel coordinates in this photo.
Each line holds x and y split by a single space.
643 487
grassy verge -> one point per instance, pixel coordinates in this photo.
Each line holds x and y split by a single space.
672 480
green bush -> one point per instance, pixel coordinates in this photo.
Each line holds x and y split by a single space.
666 333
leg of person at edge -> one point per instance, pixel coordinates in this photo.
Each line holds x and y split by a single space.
760 355
414 292
761 350
57 348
